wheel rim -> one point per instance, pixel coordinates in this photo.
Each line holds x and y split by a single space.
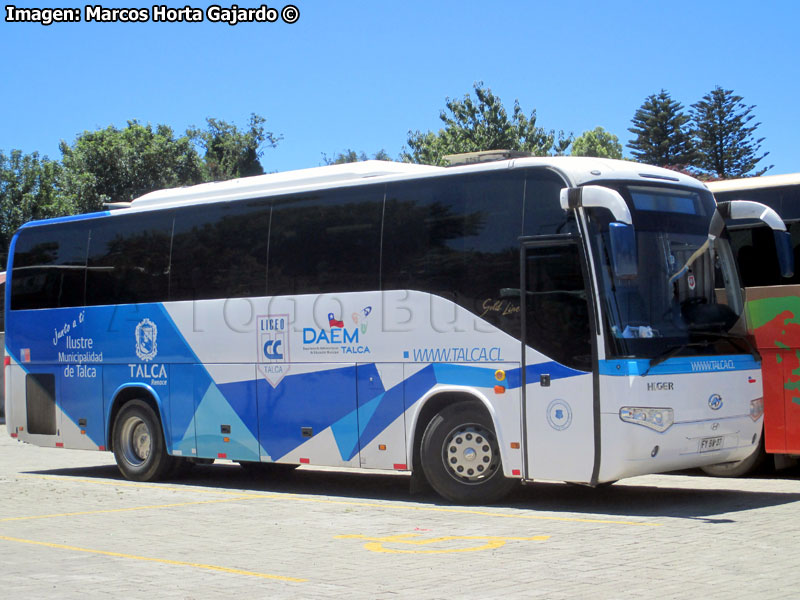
470 454
136 441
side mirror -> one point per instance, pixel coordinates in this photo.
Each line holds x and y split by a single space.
747 209
783 244
596 196
624 260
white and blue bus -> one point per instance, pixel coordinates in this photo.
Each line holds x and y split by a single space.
566 319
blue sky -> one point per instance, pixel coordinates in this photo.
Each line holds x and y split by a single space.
360 75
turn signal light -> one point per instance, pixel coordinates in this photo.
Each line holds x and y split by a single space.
756 408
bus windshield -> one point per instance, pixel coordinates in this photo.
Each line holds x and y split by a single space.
686 296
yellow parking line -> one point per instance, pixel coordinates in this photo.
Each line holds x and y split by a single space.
491 542
156 560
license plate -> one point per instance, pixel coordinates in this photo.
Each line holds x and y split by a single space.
711 443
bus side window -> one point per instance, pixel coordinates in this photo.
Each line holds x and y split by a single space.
457 237
49 271
326 242
220 251
129 259
543 212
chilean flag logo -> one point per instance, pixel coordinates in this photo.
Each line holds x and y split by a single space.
751 380
333 322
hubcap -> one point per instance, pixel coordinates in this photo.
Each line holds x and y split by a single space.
136 441
470 454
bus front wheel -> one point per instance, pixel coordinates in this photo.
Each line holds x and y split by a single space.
740 468
139 447
461 458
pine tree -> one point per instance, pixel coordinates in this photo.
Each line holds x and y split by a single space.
722 126
662 136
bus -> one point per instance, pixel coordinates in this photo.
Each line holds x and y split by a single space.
479 325
772 308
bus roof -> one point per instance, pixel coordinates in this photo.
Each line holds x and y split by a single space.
754 183
317 177
577 170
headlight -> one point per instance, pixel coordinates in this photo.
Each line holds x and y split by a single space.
756 408
659 419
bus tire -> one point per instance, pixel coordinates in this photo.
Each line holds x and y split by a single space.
739 468
460 456
139 447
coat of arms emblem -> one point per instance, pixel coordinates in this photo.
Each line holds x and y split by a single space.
146 333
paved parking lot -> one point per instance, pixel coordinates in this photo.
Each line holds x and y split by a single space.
71 528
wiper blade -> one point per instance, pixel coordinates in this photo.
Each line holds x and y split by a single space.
674 351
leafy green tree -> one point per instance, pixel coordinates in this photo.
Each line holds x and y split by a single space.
231 153
117 165
597 142
28 191
350 156
722 125
663 135
482 123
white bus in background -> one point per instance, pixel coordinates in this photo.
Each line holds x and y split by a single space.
479 325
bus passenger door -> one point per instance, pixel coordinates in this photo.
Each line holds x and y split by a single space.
559 401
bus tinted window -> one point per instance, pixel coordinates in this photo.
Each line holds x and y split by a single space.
783 199
754 249
557 316
129 259
220 251
50 266
650 198
543 212
457 237
326 242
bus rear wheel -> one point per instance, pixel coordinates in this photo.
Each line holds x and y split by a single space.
461 458
139 447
